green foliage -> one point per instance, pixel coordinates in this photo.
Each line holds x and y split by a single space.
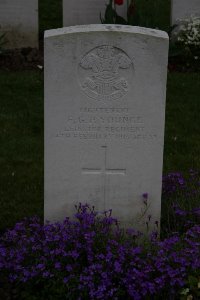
111 16
45 290
50 15
192 289
145 13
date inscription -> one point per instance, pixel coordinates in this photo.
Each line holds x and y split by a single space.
104 123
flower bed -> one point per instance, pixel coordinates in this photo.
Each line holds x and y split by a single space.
92 258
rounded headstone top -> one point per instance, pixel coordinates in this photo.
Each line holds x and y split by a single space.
106 28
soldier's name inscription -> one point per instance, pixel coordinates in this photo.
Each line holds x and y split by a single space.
97 123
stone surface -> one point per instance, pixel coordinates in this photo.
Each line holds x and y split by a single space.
19 20
104 120
87 11
183 9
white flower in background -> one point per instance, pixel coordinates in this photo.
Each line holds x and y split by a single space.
189 32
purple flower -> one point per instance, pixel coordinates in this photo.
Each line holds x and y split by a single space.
145 195
145 198
117 267
91 257
58 265
180 212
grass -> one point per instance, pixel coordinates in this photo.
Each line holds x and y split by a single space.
21 152
182 134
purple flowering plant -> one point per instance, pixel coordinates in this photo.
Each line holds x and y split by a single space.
91 257
180 198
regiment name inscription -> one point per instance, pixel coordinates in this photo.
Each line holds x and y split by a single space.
104 123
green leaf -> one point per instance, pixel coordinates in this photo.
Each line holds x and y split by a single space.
120 20
193 281
110 15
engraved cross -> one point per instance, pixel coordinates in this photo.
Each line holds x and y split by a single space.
104 171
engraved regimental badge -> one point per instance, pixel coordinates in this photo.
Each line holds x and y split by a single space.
102 73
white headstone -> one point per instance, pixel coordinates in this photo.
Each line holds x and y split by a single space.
184 9
104 120
19 20
87 11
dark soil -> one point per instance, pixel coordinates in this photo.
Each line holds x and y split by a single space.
32 59
21 59
183 65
